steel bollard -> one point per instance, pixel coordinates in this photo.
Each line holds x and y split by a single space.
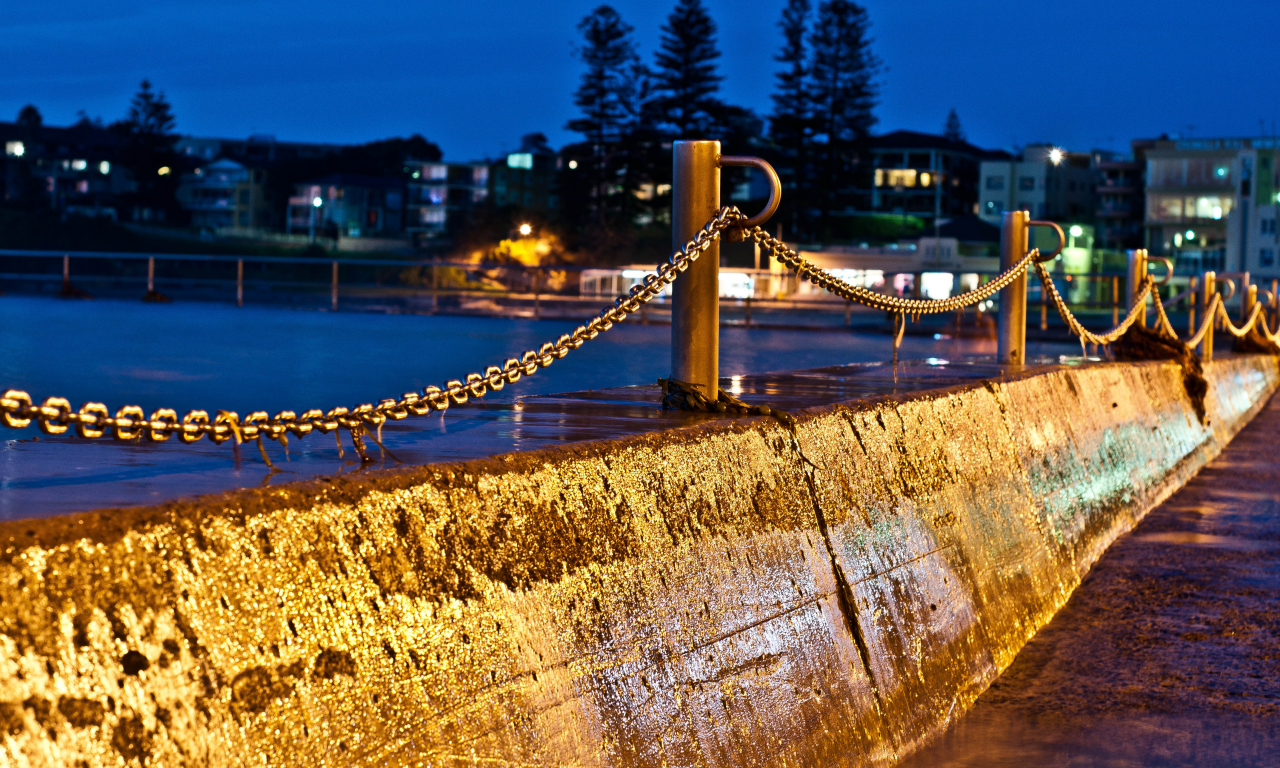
1208 290
1136 274
1011 342
695 299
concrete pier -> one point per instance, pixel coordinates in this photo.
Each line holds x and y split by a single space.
729 593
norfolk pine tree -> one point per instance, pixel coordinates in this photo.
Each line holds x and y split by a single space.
843 95
606 96
952 130
791 123
685 79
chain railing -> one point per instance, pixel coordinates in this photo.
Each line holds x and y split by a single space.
55 415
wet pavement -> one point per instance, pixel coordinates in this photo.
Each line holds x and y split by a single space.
1169 653
64 474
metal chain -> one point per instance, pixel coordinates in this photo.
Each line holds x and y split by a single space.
55 416
1139 305
820 277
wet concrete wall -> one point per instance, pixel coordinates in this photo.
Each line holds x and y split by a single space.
730 594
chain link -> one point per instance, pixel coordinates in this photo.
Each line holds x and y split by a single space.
820 277
55 415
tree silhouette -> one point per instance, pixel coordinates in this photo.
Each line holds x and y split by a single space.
685 80
952 130
791 123
608 96
844 93
29 117
149 129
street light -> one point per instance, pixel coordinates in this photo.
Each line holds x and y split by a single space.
1055 156
316 202
525 230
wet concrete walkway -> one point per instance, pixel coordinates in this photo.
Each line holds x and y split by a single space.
1169 653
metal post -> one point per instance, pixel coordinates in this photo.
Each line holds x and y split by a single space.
1250 298
151 274
748 323
1191 302
333 288
66 273
1208 291
1137 273
537 296
239 282
1011 340
435 288
695 306
1246 301
1115 300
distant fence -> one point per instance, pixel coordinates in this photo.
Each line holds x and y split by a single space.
751 296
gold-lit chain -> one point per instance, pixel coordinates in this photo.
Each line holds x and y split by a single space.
55 416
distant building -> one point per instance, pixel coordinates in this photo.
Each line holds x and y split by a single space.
226 195
1212 204
258 149
1048 182
439 195
1121 197
75 170
347 206
527 178
926 176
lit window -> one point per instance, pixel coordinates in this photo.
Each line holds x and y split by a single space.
905 177
520 160
79 165
437 171
573 164
164 170
924 179
14 149
104 168
480 176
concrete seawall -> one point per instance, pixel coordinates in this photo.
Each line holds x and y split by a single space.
729 594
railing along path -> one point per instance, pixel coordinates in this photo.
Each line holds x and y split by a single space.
55 415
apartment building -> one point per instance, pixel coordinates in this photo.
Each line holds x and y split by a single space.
346 205
1212 204
438 195
225 195
926 176
1044 180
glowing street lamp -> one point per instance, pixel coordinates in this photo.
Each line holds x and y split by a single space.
525 230
1056 155
316 202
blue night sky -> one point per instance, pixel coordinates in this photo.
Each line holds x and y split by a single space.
474 76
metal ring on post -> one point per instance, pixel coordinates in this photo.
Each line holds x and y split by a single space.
1230 284
1168 267
1062 239
775 186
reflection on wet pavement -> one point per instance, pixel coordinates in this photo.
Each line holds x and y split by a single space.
1169 653
65 474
